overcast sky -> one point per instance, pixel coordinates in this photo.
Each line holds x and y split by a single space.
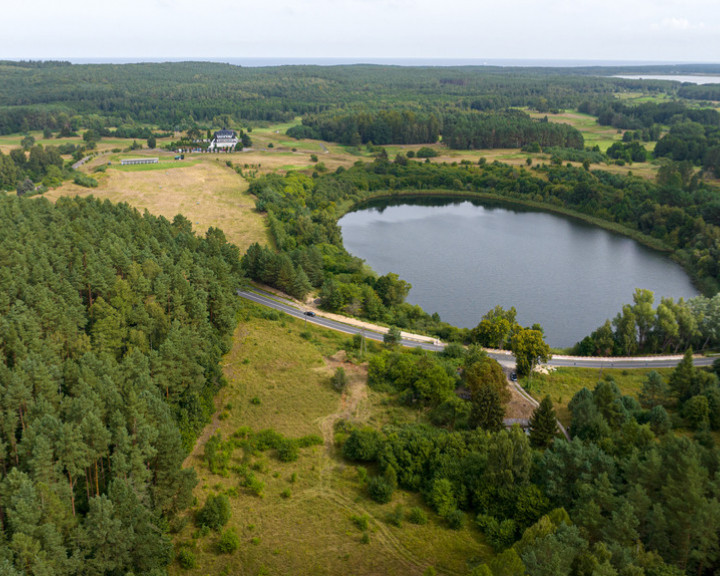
657 30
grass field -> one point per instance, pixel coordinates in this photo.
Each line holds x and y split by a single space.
593 133
203 189
278 376
563 383
11 141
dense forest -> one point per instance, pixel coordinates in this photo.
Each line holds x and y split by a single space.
507 129
112 324
395 126
54 95
678 213
461 129
625 496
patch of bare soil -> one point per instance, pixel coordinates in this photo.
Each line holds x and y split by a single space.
519 406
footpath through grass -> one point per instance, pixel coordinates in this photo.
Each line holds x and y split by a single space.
311 515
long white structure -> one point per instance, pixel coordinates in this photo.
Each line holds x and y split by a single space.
131 161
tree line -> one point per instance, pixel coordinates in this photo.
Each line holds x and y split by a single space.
505 129
642 328
461 129
377 127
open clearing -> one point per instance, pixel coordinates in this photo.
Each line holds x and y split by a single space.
563 383
207 192
278 376
593 133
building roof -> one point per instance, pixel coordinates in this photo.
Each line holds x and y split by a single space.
225 134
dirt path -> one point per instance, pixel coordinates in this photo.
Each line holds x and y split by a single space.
351 401
352 405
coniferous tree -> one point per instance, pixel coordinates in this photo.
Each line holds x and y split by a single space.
543 424
654 391
683 379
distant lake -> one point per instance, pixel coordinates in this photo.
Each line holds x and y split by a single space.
463 259
692 78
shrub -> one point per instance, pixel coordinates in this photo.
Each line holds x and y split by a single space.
455 519
287 451
266 439
426 152
186 558
218 454
417 516
380 490
309 440
339 379
255 486
216 512
396 516
441 497
361 522
499 535
229 542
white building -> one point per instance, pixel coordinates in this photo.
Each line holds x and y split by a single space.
223 140
132 161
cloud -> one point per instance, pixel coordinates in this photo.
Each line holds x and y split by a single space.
678 24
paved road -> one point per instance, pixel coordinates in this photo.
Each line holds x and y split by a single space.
279 305
504 358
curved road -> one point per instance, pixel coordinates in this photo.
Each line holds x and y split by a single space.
504 358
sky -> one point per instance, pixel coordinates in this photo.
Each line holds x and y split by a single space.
619 30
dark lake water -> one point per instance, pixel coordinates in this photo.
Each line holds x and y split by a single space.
462 259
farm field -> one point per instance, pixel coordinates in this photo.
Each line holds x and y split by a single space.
205 191
593 133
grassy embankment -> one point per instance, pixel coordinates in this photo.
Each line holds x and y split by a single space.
563 383
278 376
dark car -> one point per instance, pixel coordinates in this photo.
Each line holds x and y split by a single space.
513 376
309 313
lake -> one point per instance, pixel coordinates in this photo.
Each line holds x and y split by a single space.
691 78
463 259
